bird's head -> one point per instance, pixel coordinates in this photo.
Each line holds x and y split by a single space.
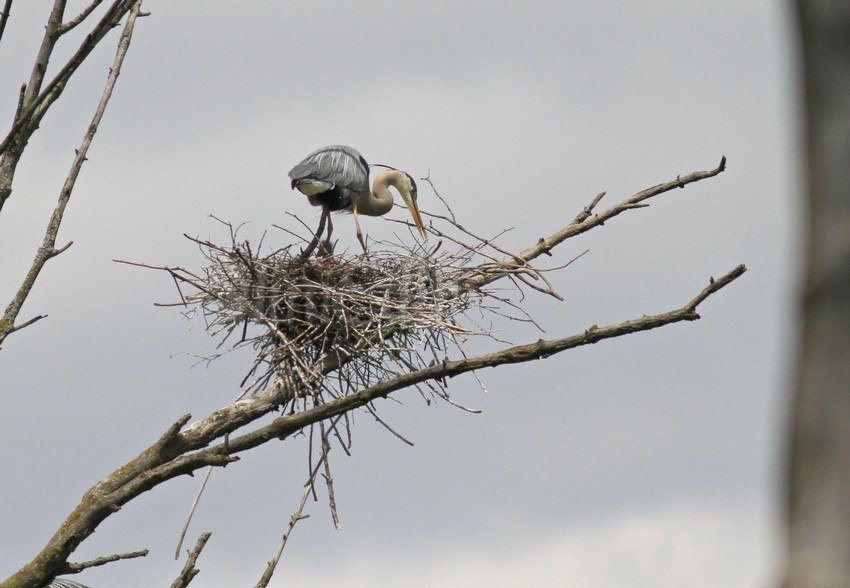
407 188
403 182
408 193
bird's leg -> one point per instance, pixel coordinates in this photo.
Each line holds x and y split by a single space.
359 232
330 226
326 216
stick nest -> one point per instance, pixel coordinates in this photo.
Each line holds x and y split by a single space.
332 324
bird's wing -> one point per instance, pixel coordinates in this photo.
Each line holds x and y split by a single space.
340 165
63 583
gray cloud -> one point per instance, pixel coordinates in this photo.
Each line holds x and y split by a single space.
521 114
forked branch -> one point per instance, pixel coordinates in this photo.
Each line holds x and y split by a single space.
586 220
48 249
189 571
218 439
287 425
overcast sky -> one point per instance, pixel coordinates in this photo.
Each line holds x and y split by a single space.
648 461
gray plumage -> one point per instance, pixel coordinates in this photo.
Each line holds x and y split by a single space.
63 583
337 178
332 177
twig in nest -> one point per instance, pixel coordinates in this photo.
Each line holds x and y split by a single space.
373 315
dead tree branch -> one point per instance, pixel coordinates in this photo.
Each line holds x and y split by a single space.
586 221
4 16
64 28
48 249
37 101
34 102
189 571
192 513
375 343
329 481
287 425
299 512
75 568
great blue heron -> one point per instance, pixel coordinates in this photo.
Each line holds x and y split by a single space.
337 178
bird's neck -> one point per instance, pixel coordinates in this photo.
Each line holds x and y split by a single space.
380 200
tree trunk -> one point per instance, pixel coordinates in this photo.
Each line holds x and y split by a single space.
819 491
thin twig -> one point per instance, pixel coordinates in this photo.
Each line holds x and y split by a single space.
80 17
386 426
545 245
4 17
189 570
10 153
284 426
48 248
427 178
295 517
329 481
25 324
335 379
74 568
191 513
37 107
588 210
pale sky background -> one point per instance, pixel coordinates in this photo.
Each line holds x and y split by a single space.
650 461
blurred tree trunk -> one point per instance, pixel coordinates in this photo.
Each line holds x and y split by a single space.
819 492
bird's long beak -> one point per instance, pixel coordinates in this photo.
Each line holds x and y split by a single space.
414 212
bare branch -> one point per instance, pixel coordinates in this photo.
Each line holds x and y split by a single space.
4 17
80 17
48 43
297 515
20 131
588 210
215 440
48 248
9 157
286 425
427 178
22 325
387 426
36 101
326 448
74 568
192 513
189 571
583 223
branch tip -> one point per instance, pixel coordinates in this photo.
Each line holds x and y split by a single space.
75 568
189 570
182 450
173 431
